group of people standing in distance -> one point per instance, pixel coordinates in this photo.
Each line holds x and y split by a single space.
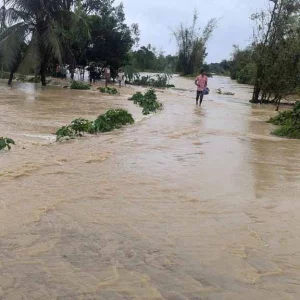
61 71
95 73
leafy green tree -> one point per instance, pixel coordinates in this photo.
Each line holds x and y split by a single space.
222 68
111 38
144 58
147 59
42 26
240 59
276 32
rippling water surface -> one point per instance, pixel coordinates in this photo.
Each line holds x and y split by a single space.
191 203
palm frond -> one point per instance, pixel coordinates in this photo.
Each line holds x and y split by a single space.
51 42
10 43
13 16
83 27
32 58
24 5
76 22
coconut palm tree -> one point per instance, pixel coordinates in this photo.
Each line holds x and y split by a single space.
37 34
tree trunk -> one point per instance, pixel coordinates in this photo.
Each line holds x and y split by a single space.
256 93
43 74
277 108
11 76
263 97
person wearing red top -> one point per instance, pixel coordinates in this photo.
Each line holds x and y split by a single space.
201 82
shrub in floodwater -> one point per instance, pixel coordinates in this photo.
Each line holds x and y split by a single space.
137 97
77 128
289 122
6 143
112 119
78 85
148 101
108 90
281 118
80 126
289 131
65 131
158 81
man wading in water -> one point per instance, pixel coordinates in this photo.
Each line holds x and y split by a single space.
201 82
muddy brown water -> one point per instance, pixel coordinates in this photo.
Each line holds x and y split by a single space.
190 203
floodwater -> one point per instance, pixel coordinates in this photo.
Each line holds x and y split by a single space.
190 203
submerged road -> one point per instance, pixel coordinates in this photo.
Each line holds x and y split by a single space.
190 203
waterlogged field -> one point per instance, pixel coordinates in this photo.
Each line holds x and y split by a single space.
189 203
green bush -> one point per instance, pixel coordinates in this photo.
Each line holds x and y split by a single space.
288 130
282 118
148 101
289 122
108 90
137 97
6 143
80 126
112 119
78 85
158 81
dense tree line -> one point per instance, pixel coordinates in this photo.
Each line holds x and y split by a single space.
36 35
222 68
148 59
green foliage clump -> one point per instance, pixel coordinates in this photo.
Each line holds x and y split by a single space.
148 59
148 101
112 119
282 118
247 74
158 81
6 143
77 128
108 90
78 85
65 131
222 68
289 122
80 126
137 97
288 130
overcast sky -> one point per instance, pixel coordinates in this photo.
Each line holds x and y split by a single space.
156 17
